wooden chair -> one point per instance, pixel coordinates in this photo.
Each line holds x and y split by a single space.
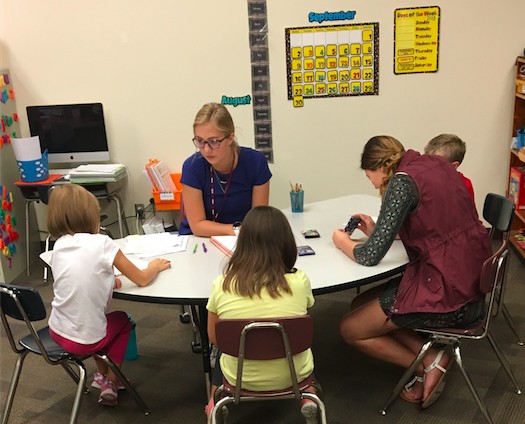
265 339
25 304
491 281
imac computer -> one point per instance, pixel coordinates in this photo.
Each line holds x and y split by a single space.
72 134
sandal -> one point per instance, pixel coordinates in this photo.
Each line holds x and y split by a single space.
440 385
408 388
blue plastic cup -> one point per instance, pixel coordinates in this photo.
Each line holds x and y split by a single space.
520 136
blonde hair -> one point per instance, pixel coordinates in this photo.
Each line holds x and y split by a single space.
219 116
382 152
450 146
72 209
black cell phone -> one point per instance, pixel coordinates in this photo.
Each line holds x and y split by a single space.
310 234
305 251
352 225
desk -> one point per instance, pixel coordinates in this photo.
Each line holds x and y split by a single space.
189 280
36 192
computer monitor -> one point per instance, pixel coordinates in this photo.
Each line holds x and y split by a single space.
72 134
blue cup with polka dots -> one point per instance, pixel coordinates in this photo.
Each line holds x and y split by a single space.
34 170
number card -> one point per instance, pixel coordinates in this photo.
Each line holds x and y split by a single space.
332 61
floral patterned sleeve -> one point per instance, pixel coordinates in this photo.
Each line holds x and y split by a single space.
400 199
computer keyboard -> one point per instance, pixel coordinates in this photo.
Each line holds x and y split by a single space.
61 171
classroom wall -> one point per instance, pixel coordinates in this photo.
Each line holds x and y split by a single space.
152 65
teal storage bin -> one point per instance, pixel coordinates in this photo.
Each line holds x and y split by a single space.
131 350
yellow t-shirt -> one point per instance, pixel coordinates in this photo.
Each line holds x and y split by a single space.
271 374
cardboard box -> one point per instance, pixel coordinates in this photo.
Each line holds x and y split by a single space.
517 187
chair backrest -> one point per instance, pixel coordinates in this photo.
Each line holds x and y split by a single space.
15 301
23 304
263 337
498 211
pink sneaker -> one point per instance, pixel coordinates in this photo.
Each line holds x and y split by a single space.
108 394
99 380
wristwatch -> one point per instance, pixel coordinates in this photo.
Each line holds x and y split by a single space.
236 228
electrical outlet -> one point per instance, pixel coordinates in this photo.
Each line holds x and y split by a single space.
139 210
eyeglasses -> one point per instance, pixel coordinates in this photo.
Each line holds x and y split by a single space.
214 143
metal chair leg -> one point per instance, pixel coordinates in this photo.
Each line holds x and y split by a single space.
319 403
408 373
503 361
79 392
126 383
510 322
479 401
13 386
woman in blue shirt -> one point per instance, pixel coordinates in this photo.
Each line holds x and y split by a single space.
222 181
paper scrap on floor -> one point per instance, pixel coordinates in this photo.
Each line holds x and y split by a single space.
145 246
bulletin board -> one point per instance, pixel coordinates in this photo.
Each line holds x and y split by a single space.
332 61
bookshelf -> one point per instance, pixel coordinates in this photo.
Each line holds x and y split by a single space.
517 158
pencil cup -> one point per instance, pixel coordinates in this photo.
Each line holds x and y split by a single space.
297 200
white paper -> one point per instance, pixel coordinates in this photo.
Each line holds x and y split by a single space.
26 148
149 245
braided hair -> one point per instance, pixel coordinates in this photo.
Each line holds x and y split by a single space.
382 151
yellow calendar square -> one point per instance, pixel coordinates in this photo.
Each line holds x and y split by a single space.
368 87
298 101
308 51
297 90
297 77
308 89
368 60
331 50
332 75
344 88
344 75
320 63
355 87
367 48
309 64
331 63
355 74
343 49
332 88
355 61
320 51
368 73
320 88
308 77
297 64
320 76
343 61
355 48
297 52
367 34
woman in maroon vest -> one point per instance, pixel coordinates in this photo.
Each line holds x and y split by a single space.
426 203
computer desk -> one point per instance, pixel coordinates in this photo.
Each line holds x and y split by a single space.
35 192
188 281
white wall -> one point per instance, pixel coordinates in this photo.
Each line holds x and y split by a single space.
154 64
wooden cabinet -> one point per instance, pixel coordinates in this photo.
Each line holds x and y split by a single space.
517 158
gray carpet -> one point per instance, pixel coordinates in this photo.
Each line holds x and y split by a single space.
170 378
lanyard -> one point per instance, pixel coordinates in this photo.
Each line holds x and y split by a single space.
214 214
